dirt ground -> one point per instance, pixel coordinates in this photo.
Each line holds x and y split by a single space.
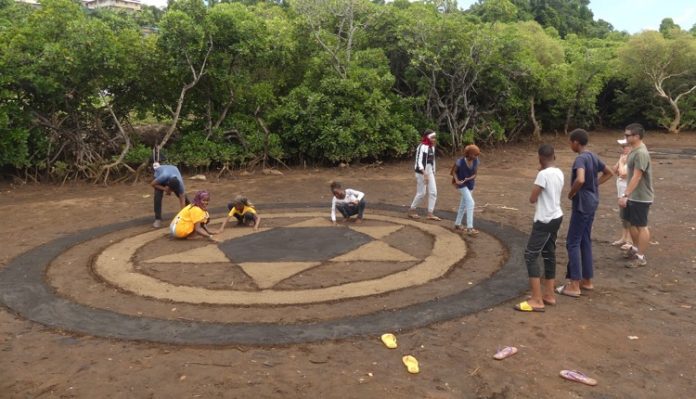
595 333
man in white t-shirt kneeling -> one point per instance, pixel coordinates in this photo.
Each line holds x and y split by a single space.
546 195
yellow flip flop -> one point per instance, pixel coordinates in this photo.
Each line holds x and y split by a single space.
526 307
411 364
389 340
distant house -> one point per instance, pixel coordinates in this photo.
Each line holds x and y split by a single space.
33 3
129 5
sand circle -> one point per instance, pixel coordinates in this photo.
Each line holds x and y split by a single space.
127 281
272 255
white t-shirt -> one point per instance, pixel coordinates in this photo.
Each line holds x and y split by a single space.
548 205
351 196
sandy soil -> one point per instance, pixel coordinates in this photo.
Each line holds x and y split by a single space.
655 304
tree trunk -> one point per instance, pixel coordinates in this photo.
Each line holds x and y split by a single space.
537 128
196 76
266 135
569 116
674 125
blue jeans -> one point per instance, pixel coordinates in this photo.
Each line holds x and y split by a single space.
348 210
579 246
466 203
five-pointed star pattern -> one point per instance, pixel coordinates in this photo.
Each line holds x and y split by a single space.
268 274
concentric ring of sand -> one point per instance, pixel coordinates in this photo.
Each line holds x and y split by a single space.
115 266
26 290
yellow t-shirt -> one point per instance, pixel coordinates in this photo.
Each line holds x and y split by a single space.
184 222
246 209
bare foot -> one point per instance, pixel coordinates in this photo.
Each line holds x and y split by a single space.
549 299
358 220
535 304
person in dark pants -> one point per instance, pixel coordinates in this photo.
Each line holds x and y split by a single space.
548 215
167 180
349 202
584 192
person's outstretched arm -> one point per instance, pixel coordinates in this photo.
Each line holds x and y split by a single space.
333 210
182 200
224 223
258 222
200 229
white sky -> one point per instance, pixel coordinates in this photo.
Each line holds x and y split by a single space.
629 15
634 16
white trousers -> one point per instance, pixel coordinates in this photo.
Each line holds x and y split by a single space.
421 185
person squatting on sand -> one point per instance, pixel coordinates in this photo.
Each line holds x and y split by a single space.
242 210
348 201
193 218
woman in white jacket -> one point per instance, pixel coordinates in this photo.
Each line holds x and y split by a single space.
425 175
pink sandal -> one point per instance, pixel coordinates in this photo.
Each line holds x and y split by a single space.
505 352
572 375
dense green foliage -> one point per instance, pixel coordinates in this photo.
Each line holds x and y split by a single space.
245 83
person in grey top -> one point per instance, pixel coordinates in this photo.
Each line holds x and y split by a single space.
167 180
639 195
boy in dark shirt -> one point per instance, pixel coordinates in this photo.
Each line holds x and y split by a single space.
584 192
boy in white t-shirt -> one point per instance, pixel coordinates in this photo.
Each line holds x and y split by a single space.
548 216
349 202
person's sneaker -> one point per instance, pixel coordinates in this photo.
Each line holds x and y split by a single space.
637 262
157 224
631 253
